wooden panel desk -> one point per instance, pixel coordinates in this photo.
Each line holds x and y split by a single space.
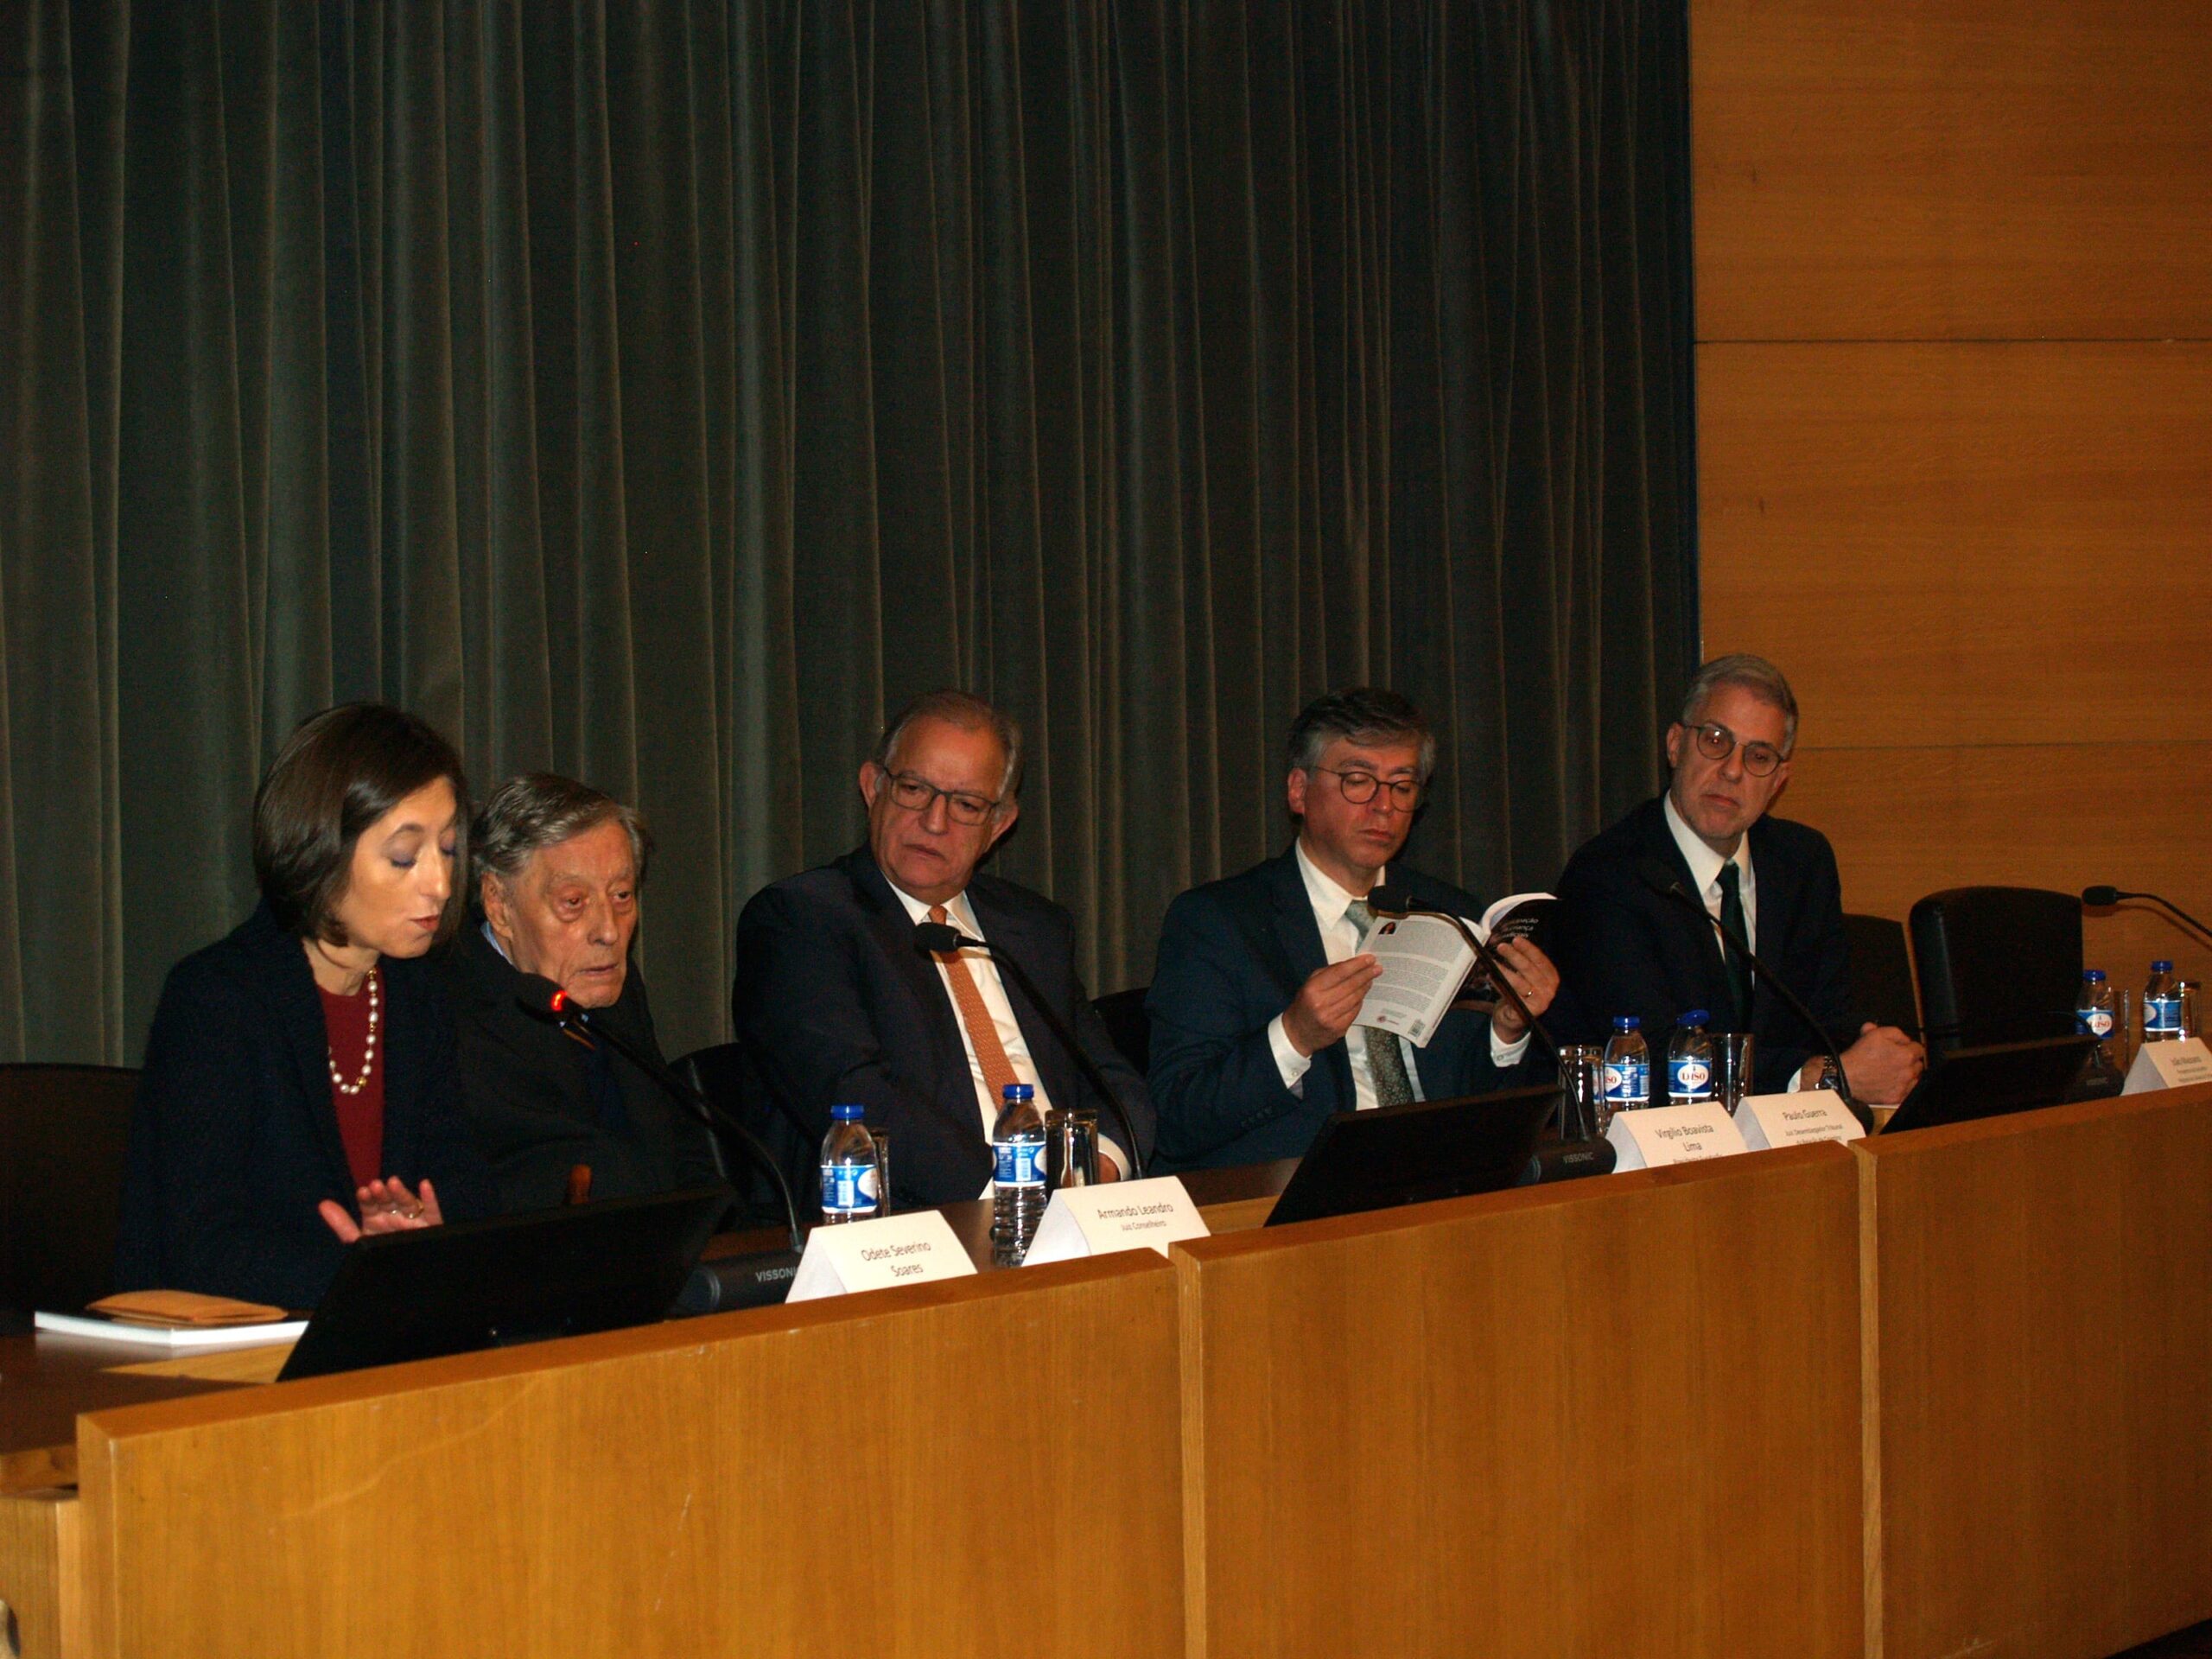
2039 1417
1614 1416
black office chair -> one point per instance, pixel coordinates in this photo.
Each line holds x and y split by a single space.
1881 971
725 1074
1126 1023
63 1131
1996 965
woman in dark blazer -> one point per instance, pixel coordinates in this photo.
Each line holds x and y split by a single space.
300 1086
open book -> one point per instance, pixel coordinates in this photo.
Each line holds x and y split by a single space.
1425 964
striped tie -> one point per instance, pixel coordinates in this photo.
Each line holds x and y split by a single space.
982 1030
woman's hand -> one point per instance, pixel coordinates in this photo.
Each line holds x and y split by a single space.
387 1207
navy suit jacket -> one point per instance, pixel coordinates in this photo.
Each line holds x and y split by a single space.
1232 955
835 1005
233 1138
528 1094
1622 948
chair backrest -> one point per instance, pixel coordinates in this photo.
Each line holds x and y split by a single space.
1126 1023
1996 965
1881 971
63 1131
725 1074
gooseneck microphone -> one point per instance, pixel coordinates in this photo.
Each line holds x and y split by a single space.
2098 897
1390 900
1655 874
542 997
942 939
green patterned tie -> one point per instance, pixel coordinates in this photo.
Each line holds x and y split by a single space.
1386 1061
1740 971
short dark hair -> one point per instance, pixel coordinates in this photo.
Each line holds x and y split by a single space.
970 713
539 809
338 773
1366 712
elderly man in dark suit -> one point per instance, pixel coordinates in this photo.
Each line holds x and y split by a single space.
838 1005
1625 949
1260 975
560 869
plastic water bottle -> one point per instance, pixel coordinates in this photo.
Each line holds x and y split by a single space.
2096 1013
2161 1004
847 1168
1689 1060
1018 1173
1628 1066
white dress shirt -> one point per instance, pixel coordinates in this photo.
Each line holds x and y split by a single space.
984 971
1340 938
1705 866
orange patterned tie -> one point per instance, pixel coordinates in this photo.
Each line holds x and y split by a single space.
982 1030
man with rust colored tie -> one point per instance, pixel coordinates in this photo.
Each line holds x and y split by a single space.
836 1004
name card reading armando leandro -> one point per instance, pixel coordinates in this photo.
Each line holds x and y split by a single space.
872 1255
1121 1215
1673 1135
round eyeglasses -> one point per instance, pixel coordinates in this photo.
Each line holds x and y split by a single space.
1716 742
1359 788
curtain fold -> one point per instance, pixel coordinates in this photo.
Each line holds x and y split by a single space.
660 394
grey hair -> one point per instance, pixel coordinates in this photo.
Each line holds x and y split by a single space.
1359 711
539 809
1755 675
968 712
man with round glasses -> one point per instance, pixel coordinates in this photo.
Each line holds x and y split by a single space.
836 1004
1260 976
1624 948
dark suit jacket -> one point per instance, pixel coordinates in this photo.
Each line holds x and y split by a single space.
1622 948
1232 955
527 1092
837 1006
233 1139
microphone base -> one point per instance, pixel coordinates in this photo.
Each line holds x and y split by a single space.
757 1278
1570 1160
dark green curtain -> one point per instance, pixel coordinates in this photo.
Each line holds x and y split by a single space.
657 393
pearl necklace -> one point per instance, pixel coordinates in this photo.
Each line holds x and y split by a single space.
368 1057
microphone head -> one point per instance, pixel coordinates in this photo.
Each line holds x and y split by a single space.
542 997
936 938
1389 899
2096 897
1655 874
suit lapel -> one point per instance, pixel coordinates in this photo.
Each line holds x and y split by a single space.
1711 973
1012 934
1778 889
893 931
299 1007
1300 939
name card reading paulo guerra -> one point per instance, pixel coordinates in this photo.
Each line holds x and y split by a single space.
874 1254
1121 1216
1794 1120
1673 1135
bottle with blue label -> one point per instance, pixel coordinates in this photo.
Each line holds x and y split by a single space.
1017 1174
847 1168
2096 1013
2162 1005
1689 1060
1628 1066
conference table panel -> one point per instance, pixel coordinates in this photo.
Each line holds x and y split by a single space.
987 1464
2039 1346
1613 1416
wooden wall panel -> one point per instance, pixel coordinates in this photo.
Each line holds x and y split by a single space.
41 1587
2043 1291
1965 544
961 1468
1908 822
1974 168
1611 1417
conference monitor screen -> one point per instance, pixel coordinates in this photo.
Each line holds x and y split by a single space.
487 1284
1411 1154
1971 1082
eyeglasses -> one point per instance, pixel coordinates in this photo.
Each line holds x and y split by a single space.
917 794
1716 742
1359 788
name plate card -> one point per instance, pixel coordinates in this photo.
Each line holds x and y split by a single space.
1673 1135
1793 1119
871 1254
2169 1065
1119 1215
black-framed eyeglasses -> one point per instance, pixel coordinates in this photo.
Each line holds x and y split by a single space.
917 794
1359 788
1716 742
